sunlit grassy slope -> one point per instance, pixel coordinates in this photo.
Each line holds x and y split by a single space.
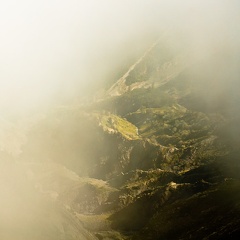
161 156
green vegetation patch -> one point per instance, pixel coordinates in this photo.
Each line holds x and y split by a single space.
114 124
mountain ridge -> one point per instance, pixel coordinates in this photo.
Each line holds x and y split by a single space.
140 162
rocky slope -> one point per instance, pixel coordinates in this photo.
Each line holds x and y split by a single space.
156 157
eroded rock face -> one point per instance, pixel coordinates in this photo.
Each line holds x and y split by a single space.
154 161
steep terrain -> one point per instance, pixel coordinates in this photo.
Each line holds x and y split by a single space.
156 157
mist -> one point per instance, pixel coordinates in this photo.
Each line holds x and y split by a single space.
57 53
57 50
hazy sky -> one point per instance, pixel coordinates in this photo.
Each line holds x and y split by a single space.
50 47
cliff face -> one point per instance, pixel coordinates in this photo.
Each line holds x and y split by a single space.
157 157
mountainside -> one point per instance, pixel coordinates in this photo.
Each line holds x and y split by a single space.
155 157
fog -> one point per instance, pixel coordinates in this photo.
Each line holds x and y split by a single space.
57 50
